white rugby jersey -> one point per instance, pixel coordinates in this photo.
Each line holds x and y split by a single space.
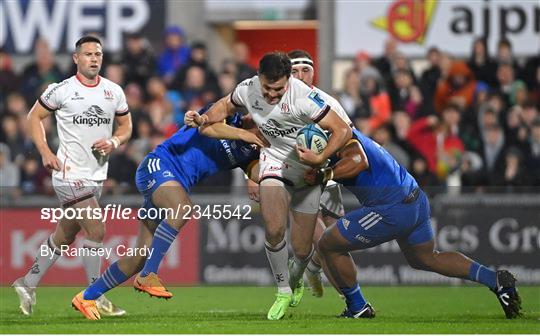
335 105
299 106
84 114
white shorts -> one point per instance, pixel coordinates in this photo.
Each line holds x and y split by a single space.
304 198
73 191
332 201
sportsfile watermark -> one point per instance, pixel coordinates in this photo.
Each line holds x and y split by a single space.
120 212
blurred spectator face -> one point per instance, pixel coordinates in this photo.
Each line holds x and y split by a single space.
30 166
240 52
174 41
198 55
195 77
135 45
403 79
513 118
156 88
144 129
402 123
229 66
89 59
505 74
370 85
9 126
419 166
529 115
504 53
445 64
493 135
303 72
535 132
381 135
227 82
496 103
401 62
479 49
390 47
451 116
363 125
489 119
134 95
16 104
352 81
512 160
115 73
43 55
434 57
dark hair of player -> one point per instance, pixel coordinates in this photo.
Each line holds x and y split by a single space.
299 53
86 39
273 66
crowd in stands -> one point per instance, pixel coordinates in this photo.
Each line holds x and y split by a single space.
472 123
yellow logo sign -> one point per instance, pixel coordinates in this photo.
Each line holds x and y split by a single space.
407 20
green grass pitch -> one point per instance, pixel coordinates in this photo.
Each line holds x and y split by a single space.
208 310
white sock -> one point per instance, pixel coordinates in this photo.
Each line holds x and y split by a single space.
47 255
91 260
297 269
277 257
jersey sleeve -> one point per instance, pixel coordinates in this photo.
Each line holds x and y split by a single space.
122 106
312 106
240 93
51 99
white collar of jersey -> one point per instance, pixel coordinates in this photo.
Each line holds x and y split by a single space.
302 61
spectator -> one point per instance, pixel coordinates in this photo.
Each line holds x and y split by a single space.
159 107
175 54
458 88
505 81
9 81
32 175
138 59
241 59
505 55
40 73
383 137
401 63
115 73
13 138
384 63
531 75
376 104
472 174
493 150
514 174
350 96
9 174
438 141
481 65
121 171
425 178
518 93
199 59
142 144
516 133
404 95
534 152
227 83
362 64
401 123
430 76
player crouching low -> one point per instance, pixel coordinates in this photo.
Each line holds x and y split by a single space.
164 178
394 207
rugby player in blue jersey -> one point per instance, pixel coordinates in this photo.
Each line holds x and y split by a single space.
164 178
394 207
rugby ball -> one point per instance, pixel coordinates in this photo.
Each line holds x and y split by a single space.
313 137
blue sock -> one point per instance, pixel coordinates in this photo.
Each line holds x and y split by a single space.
482 274
163 239
111 278
355 299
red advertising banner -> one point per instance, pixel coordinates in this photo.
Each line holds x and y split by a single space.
22 231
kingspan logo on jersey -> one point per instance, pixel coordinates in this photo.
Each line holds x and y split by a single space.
94 116
274 129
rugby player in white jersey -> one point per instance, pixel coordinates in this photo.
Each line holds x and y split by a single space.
280 106
85 107
331 206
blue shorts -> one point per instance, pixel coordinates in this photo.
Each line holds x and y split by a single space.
153 172
371 226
